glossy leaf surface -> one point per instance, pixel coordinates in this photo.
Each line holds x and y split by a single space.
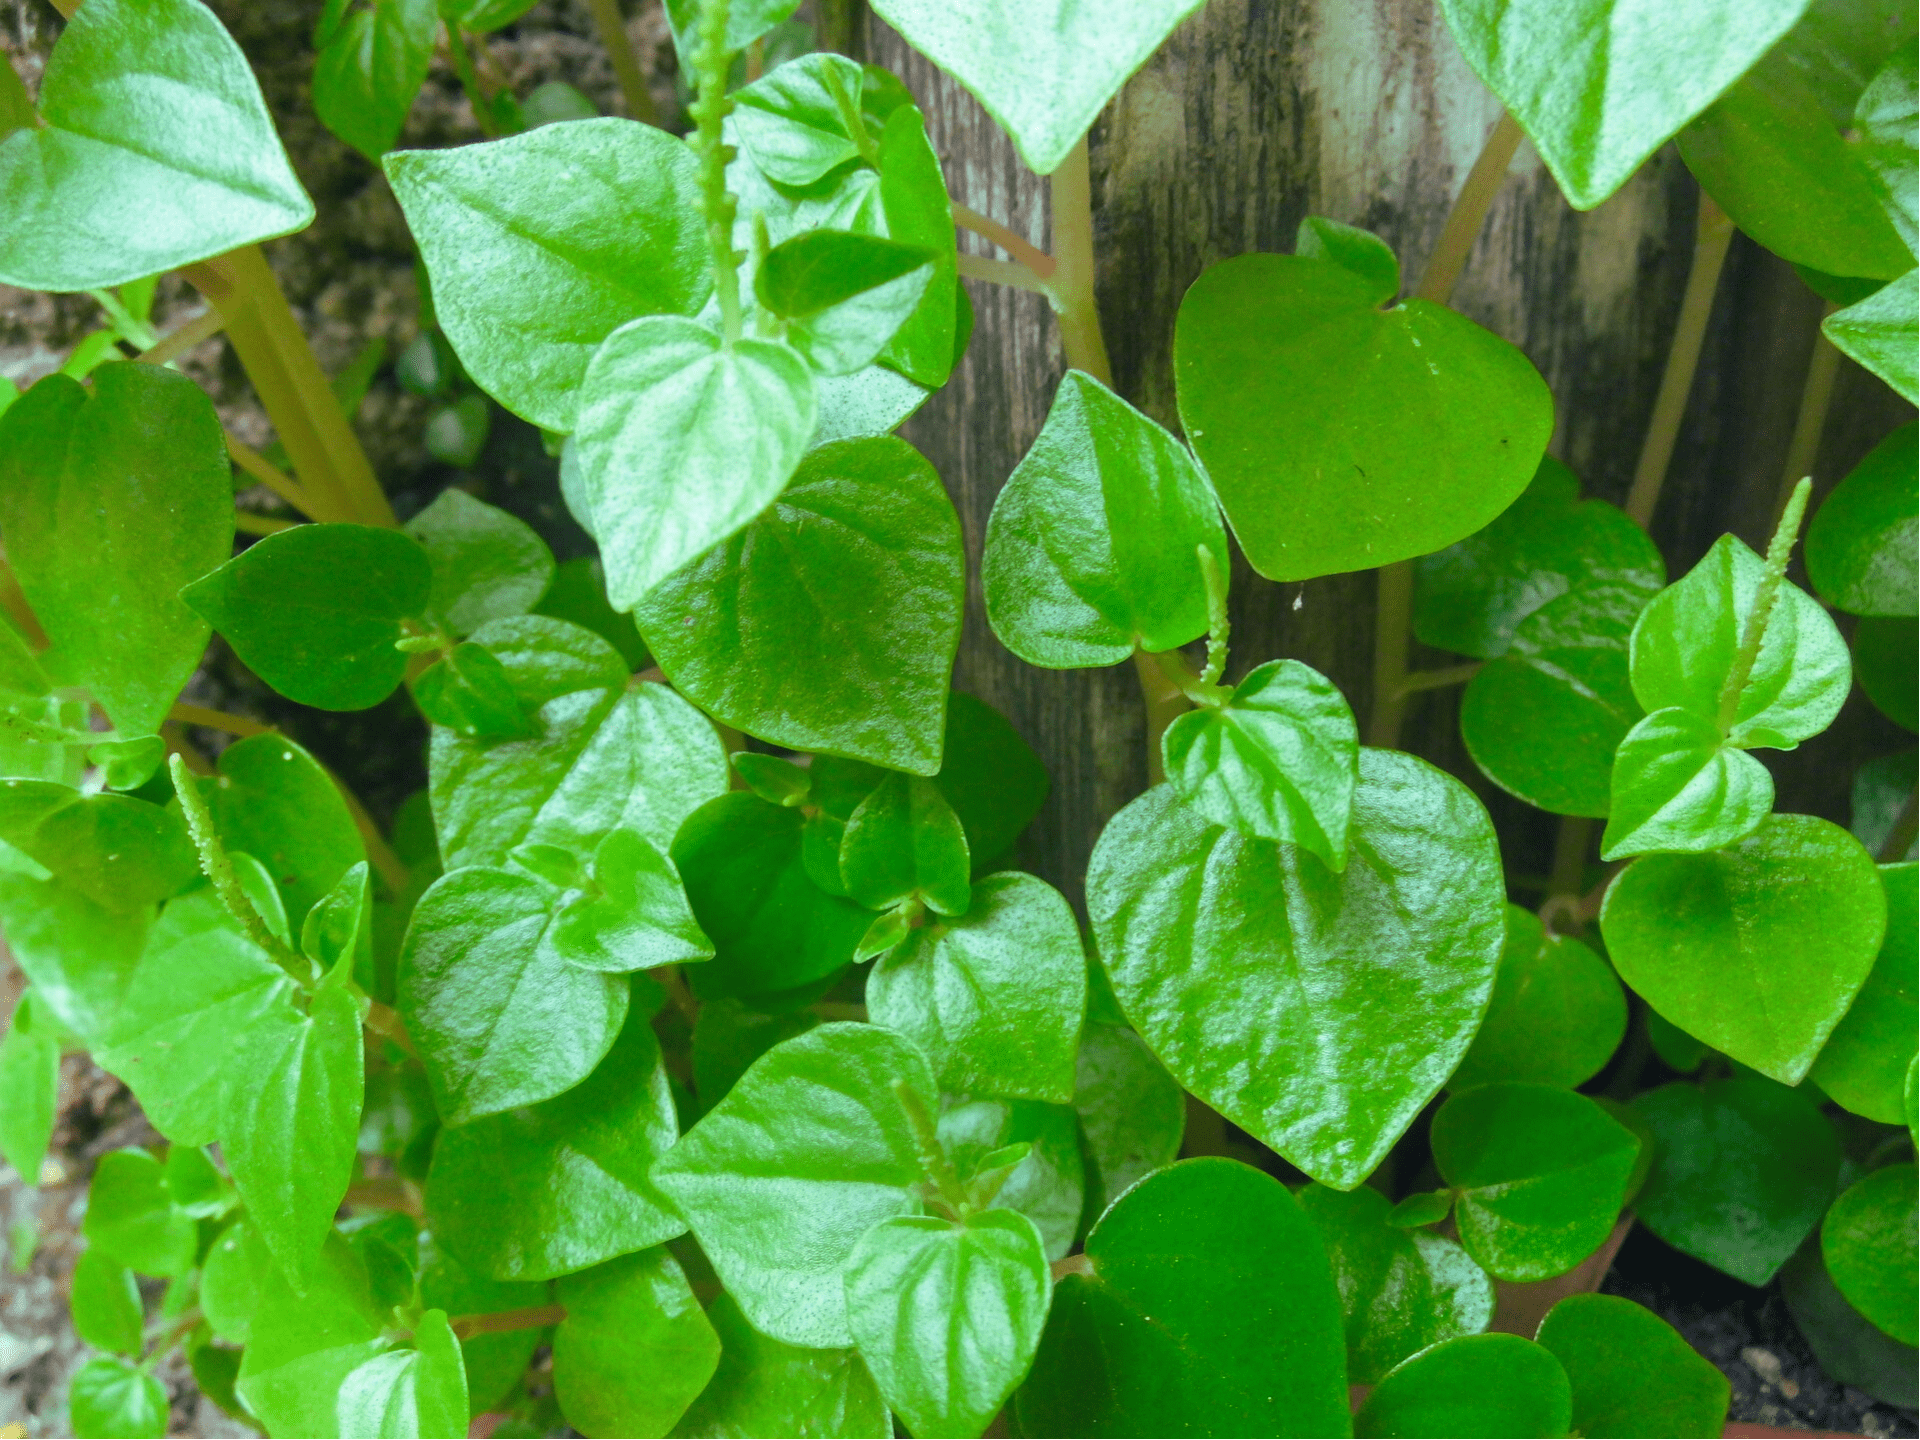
1864 1064
1132 1112
272 800
113 1397
487 564
369 70
635 1348
1880 333
1678 785
1631 1372
1861 544
766 1387
1557 1013
1475 1385
903 843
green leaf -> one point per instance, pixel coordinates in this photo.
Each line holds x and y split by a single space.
1685 641
116 1398
1351 248
29 1093
1404 429
494 1363
578 595
1401 1290
486 563
131 1217
1279 760
369 70
1678 785
772 928
842 294
914 204
1631 1372
1887 141
1883 650
634 1350
1868 1241
541 245
776 781
1864 1064
1849 1347
1132 1112
802 120
995 996
110 502
232 1277
79 955
272 800
632 915
1776 153
292 1122
499 1019
810 1150
1021 1155
148 109
1091 547
904 843
765 1387
404 1393
1861 544
1757 949
1544 720
850 586
105 1305
947 1314
479 17
115 850
549 1189
1557 1013
1475 1385
469 691
1744 1169
1593 87
128 764
1540 1174
606 753
304 1346
728 1037
683 440
315 611
1470 597
1879 332
1207 1306
195 1185
1047 77
1286 996
747 21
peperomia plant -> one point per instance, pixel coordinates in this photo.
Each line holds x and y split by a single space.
693 1058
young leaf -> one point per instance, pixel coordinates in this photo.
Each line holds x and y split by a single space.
1470 597
1756 949
1444 433
1686 640
606 753
811 1149
914 204
747 21
315 611
1195 922
486 563
1091 547
272 800
1540 1174
105 1305
115 1397
29 1091
850 586
1631 1372
776 781
131 1217
1880 332
404 1393
1556 1017
303 1346
1867 1241
1132 1112
549 1189
148 108
1024 1156
683 441
1745 1168
469 691
1601 84
1863 1066
1279 760
1473 1385
500 1021
1861 544
772 928
1888 140
1544 720
369 70
802 120
1401 1290
542 245
1678 785
633 915
1351 248
110 502
635 1348
1048 78
842 294
947 1314
1207 1305
904 843
128 764
766 1387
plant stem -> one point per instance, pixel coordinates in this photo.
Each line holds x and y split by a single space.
710 109
1765 596
1219 627
177 342
275 479
1071 193
612 29
534 1317
386 1192
933 1155
461 59
1392 629
1438 679
1071 1265
1570 847
1816 396
385 1022
1713 233
260 325
248 523
1165 704
1469 213
1018 246
1002 272
216 720
215 865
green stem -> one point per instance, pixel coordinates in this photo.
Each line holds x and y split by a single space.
710 109
534 1317
219 869
1765 597
1420 680
461 59
933 1155
612 29
1469 212
1392 629
1218 625
1071 285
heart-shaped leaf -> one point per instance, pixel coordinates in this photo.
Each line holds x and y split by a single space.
1678 785
1861 544
1881 332
1557 1013
1475 1385
635 1348
1048 1185
1757 949
1867 1241
843 295
1864 1064
369 70
1351 248
1631 1372
1340 436
487 564
904 843
109 1396
149 109
803 119
1071 58
1317 1011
